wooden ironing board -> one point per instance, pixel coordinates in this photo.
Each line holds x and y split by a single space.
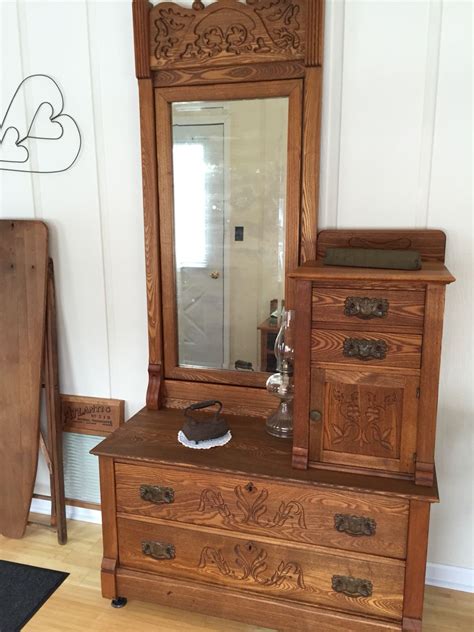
23 287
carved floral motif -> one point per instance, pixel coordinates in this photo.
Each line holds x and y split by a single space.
252 505
363 425
226 30
250 564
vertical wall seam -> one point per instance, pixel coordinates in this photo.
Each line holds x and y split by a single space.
340 96
23 39
428 122
332 114
100 198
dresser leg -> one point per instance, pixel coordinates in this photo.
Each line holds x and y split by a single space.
411 625
120 602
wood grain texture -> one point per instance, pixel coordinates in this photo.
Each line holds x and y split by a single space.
109 527
405 311
264 566
23 287
141 33
367 419
302 370
430 244
225 602
78 605
417 548
229 74
314 33
258 506
403 350
430 366
311 162
150 437
431 272
151 224
53 411
226 31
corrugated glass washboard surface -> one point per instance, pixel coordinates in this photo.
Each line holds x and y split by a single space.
81 469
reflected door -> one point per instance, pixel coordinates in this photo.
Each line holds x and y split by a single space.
199 215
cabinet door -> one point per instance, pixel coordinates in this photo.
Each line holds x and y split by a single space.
366 419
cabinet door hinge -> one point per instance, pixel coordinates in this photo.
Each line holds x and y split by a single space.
418 393
414 457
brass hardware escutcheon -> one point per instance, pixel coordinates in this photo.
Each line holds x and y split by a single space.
364 349
365 308
354 525
352 586
157 494
315 415
158 550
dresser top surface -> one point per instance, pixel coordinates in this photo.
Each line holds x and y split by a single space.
430 272
151 436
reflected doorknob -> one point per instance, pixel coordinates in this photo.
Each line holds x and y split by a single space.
214 275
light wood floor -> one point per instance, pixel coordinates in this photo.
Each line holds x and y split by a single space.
77 605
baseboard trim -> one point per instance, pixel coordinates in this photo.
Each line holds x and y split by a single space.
441 575
38 505
454 577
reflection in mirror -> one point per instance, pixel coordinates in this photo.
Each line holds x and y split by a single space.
229 173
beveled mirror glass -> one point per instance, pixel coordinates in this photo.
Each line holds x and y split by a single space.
229 201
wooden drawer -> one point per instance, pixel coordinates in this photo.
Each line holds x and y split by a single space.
385 310
365 348
311 575
302 513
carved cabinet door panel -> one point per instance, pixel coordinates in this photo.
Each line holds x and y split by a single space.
364 419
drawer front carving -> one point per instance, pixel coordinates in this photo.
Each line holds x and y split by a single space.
385 310
310 575
369 421
299 513
366 348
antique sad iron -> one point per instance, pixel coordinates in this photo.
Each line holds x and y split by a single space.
204 432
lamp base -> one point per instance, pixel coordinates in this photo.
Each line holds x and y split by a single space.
280 423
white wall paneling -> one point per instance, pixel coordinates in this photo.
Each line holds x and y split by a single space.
396 151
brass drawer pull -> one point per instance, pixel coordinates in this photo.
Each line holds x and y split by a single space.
158 550
365 308
354 525
364 349
352 586
156 494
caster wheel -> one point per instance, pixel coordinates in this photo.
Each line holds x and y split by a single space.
120 602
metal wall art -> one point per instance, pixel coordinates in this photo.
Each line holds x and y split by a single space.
45 140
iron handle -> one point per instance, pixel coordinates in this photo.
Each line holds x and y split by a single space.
157 494
158 550
315 415
364 349
354 525
365 307
352 586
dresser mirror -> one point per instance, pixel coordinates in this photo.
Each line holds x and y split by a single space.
229 170
229 196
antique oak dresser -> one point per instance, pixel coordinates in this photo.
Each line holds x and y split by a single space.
329 533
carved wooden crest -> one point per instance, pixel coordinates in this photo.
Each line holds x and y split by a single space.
227 32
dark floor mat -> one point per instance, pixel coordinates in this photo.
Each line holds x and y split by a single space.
23 590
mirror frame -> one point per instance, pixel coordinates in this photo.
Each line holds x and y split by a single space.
184 66
164 98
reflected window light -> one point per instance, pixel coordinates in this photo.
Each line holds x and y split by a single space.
189 204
